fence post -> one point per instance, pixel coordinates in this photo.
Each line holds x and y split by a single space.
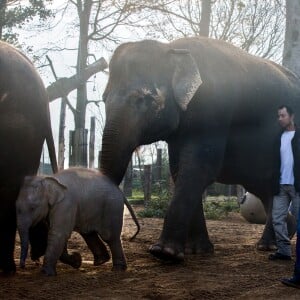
127 186
92 143
147 185
71 149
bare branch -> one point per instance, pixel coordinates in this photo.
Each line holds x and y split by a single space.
63 86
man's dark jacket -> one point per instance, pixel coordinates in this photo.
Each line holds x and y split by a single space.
277 162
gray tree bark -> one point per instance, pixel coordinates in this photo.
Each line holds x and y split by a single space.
205 17
291 52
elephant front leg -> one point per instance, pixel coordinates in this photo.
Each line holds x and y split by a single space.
38 235
7 242
56 245
198 241
171 244
183 228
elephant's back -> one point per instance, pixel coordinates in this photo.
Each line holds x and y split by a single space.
23 115
21 88
84 182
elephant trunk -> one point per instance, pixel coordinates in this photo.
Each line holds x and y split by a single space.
116 153
24 236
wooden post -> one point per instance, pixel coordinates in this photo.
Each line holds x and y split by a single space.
62 123
71 148
61 134
78 147
158 164
127 187
147 185
92 143
99 159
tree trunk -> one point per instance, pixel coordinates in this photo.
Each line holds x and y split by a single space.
84 16
291 52
205 17
61 134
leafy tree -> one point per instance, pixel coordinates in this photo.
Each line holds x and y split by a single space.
14 14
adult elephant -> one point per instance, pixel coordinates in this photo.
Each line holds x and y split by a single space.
216 107
24 126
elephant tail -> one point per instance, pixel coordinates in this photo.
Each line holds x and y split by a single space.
133 217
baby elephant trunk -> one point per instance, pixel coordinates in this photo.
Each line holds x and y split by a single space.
24 236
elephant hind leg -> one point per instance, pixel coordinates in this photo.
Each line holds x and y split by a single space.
267 242
97 247
118 256
74 259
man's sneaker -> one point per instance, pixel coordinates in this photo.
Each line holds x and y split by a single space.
279 256
293 282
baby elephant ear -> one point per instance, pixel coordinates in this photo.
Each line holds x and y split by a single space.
54 190
186 77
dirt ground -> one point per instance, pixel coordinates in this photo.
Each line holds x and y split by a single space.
235 271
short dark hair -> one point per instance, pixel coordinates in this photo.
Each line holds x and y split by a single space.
288 109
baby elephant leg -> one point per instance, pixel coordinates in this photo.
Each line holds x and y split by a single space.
74 259
97 247
118 257
55 248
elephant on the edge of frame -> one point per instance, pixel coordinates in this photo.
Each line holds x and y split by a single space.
24 126
216 107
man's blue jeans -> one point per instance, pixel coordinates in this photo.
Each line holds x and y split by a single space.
281 204
297 263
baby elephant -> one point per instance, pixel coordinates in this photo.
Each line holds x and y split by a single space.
75 199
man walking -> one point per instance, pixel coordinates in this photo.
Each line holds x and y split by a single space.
288 180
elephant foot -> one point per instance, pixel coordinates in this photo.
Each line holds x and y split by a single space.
121 267
48 271
198 247
266 244
74 260
8 269
262 246
100 260
166 253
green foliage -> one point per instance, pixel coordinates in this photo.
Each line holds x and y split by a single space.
157 208
15 14
215 208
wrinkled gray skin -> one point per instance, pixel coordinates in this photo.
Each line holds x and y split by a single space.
24 127
216 107
79 200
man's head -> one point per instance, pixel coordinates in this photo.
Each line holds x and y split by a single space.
286 117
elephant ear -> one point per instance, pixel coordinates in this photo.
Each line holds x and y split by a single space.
55 190
186 77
